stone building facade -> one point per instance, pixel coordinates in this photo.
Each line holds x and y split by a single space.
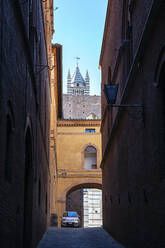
92 207
81 107
133 138
26 29
78 103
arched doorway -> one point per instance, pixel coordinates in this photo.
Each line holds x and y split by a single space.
28 192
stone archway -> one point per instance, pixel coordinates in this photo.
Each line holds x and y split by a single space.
84 183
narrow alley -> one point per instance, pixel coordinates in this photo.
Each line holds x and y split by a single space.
81 238
82 124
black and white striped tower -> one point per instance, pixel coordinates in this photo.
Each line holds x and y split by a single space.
87 83
69 90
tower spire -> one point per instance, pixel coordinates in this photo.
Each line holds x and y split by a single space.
87 76
69 76
69 82
87 81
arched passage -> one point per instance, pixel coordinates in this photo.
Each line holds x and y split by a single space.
75 197
84 186
80 185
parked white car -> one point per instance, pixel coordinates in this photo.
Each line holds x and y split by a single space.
70 219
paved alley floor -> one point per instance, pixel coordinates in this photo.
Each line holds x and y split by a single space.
77 238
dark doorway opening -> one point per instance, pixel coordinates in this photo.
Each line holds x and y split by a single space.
74 202
162 109
28 192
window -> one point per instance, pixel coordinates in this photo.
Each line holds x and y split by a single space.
70 214
92 116
90 130
90 158
94 166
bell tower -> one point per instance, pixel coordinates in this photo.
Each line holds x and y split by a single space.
69 90
77 85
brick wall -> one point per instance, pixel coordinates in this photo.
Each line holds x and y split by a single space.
133 143
24 125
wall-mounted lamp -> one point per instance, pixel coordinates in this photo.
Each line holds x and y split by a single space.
110 92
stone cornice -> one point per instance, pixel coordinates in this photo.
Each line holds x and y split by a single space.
79 171
78 123
79 175
77 133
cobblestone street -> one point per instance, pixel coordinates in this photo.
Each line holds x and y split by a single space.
77 238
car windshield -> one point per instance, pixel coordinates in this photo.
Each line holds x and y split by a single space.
70 214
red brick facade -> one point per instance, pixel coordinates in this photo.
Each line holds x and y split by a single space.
24 124
133 56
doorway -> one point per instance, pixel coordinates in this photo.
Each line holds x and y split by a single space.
28 192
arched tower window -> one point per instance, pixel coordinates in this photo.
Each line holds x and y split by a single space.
92 116
90 158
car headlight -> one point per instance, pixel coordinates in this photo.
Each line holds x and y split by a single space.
76 221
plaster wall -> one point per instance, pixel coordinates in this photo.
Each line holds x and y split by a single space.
71 143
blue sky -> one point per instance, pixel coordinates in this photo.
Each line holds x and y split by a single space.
79 26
